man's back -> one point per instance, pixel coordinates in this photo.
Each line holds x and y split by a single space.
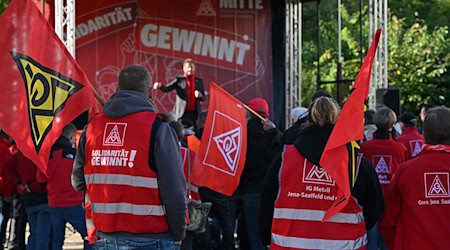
419 204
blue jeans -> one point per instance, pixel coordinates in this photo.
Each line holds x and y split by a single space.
108 242
375 240
60 216
38 218
251 204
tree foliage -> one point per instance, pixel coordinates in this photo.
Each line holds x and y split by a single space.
418 56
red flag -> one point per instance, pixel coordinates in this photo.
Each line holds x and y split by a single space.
335 157
223 147
43 87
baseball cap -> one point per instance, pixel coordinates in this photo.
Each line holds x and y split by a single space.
408 118
259 105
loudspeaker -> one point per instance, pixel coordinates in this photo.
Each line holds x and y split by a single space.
389 97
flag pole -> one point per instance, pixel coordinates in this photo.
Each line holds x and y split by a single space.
254 112
97 96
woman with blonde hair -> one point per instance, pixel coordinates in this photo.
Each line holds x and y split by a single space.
298 191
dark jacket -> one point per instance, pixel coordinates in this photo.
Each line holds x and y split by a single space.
291 134
164 152
311 143
262 149
179 85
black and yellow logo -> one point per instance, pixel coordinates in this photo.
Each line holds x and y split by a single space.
47 93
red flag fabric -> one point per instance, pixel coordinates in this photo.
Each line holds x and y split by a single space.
223 147
335 157
43 88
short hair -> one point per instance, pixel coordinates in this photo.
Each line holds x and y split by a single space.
436 127
368 116
69 130
384 118
178 127
188 60
135 77
324 110
320 93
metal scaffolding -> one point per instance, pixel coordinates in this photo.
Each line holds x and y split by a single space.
65 23
378 18
293 56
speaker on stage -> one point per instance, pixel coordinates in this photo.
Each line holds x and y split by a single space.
389 97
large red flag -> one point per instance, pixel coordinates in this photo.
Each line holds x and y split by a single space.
223 147
43 88
335 157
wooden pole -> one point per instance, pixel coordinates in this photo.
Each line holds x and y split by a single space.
254 112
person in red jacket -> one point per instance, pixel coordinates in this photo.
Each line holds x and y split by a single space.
410 137
5 153
298 191
386 155
418 200
21 174
65 203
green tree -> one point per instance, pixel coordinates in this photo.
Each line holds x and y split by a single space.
419 61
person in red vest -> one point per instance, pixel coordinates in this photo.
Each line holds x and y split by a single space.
410 137
418 201
190 92
65 203
129 162
297 192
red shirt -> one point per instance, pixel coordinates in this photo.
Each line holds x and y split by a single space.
191 101
386 155
418 204
412 140
5 153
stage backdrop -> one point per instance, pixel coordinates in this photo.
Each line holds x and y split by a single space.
230 41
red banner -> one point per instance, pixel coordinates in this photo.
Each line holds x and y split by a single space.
43 87
230 42
221 157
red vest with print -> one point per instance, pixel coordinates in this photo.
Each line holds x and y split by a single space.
386 155
121 186
189 162
306 192
412 140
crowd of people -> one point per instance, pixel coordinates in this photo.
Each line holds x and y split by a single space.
127 184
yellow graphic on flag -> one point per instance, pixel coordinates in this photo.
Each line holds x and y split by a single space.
47 93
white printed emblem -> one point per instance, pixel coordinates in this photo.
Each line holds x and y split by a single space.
206 9
381 166
416 147
223 151
436 185
316 174
227 143
114 134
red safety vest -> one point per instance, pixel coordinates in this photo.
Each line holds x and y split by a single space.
306 192
412 140
122 187
188 157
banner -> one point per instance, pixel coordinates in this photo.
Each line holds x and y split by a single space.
43 87
335 157
221 156
229 41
